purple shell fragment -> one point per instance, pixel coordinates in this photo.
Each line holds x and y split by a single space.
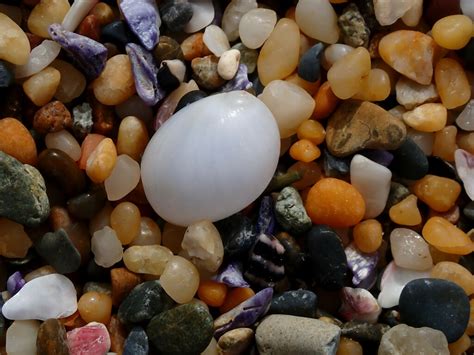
15 282
231 275
245 314
363 266
266 216
89 55
144 72
143 19
239 82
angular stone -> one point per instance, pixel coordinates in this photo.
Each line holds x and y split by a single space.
52 338
205 72
353 27
410 94
360 125
290 212
93 339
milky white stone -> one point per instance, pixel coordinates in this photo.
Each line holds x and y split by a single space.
65 141
211 159
40 57
215 40
465 168
233 14
333 53
410 94
50 296
255 27
388 12
318 20
135 106
228 64
372 180
203 14
124 178
393 281
467 8
106 247
424 140
21 337
465 119
413 15
410 250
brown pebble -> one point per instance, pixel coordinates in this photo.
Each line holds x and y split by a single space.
17 141
102 115
123 281
194 47
205 72
59 218
118 334
90 27
51 338
52 117
34 40
73 321
167 49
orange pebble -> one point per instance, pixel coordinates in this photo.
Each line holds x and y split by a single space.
335 202
88 145
438 192
16 140
95 307
304 150
460 346
212 293
325 102
235 297
368 235
311 130
446 237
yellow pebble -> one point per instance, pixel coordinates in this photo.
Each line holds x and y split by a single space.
437 192
349 347
125 220
102 161
368 235
427 117
311 130
375 86
41 87
452 32
460 346
406 212
444 144
304 150
451 83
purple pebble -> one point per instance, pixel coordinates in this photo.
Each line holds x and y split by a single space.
15 282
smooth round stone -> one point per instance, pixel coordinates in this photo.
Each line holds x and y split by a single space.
147 259
46 13
410 250
233 14
467 8
255 27
430 117
14 45
132 137
296 303
180 188
451 271
318 20
437 304
21 337
64 141
136 342
124 178
149 234
309 66
375 86
453 32
452 83
410 161
465 120
333 53
372 180
180 279
106 247
145 301
216 40
228 64
50 296
235 341
203 14
41 87
290 105
186 329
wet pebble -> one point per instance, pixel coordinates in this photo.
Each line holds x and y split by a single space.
136 342
300 303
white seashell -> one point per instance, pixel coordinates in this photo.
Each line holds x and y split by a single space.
211 159
203 14
50 296
215 40
465 168
465 120
40 57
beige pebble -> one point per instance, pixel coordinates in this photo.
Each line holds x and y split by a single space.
228 64
41 87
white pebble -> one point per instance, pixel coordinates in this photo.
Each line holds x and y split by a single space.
21 337
228 64
124 178
388 12
410 94
65 141
40 57
255 27
203 14
106 247
467 8
465 120
318 20
410 250
215 40
413 15
372 180
333 53
50 296
233 14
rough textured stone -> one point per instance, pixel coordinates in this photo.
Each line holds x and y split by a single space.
300 303
235 341
205 72
359 125
52 338
363 331
353 27
290 212
23 192
136 342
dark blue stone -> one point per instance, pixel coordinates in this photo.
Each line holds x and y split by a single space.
176 14
409 161
136 342
309 67
6 76
300 303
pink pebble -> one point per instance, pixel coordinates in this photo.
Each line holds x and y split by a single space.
91 339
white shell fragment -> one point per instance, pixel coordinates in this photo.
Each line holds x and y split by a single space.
465 168
203 14
211 159
50 296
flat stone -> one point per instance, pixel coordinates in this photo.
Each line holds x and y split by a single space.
403 339
23 192
136 342
300 303
284 334
52 338
290 211
363 125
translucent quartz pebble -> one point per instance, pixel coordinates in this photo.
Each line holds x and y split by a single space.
203 14
50 296
65 141
279 55
180 279
125 221
232 16
409 53
446 237
45 13
465 168
14 242
76 13
374 87
456 273
345 76
149 234
148 259
465 120
40 57
255 27
14 45
333 53
101 161
234 135
444 144
21 337
388 12
106 247
41 87
413 15
132 137
72 83
393 281
290 105
467 8
410 250
423 139
429 117
452 84
453 32
124 178
318 20
439 193
203 243
372 180
215 40
411 94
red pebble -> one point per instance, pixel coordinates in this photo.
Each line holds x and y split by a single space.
91 339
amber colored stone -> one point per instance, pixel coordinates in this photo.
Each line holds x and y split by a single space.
118 334
470 325
466 141
16 140
73 321
123 281
125 220
452 84
438 192
410 53
212 293
460 346
453 32
88 145
103 13
348 346
430 117
446 237
374 87
406 212
368 235
310 174
41 87
14 242
444 144
90 27
101 161
456 273
95 307
310 87
52 117
132 137
194 47
304 150
235 297
59 218
335 202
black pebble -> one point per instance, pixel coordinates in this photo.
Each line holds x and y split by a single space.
300 303
189 98
6 76
176 14
166 79
309 67
136 342
327 257
437 304
440 167
118 33
86 205
238 234
468 210
409 161
335 167
467 53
